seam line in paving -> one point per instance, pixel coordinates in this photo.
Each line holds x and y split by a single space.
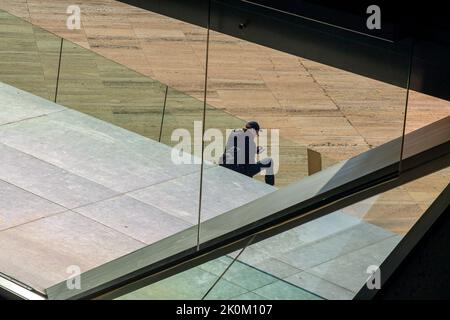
234 297
328 281
288 283
33 220
128 194
74 210
134 199
71 211
54 166
30 118
68 170
85 178
28 191
346 254
334 102
343 231
60 212
280 279
28 11
121 195
95 202
222 279
101 223
268 274
265 272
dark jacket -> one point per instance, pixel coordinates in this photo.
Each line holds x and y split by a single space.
240 150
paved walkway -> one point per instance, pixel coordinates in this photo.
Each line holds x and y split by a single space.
78 191
283 91
74 176
315 106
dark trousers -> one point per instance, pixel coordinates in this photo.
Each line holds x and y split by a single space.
252 169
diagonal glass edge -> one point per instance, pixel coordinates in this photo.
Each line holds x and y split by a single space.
12 288
428 147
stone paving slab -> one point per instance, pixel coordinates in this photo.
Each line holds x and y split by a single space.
223 190
134 218
320 286
294 255
291 100
22 105
52 162
18 206
280 290
39 253
247 80
95 150
350 270
349 240
313 231
48 181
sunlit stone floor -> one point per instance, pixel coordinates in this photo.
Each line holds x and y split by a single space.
315 106
79 191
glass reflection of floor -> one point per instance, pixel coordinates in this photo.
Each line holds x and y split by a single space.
241 282
326 258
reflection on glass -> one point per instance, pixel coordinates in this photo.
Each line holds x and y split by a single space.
331 257
312 116
106 90
28 56
327 258
93 161
255 283
193 284
423 110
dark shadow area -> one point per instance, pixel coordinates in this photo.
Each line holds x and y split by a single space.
425 273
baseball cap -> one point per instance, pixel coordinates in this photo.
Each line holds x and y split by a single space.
253 125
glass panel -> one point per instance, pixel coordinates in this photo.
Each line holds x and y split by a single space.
163 175
28 56
423 110
312 116
257 283
106 90
327 258
95 172
330 257
193 284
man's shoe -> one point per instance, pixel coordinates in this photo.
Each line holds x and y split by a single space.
270 179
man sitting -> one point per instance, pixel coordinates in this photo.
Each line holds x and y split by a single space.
241 150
